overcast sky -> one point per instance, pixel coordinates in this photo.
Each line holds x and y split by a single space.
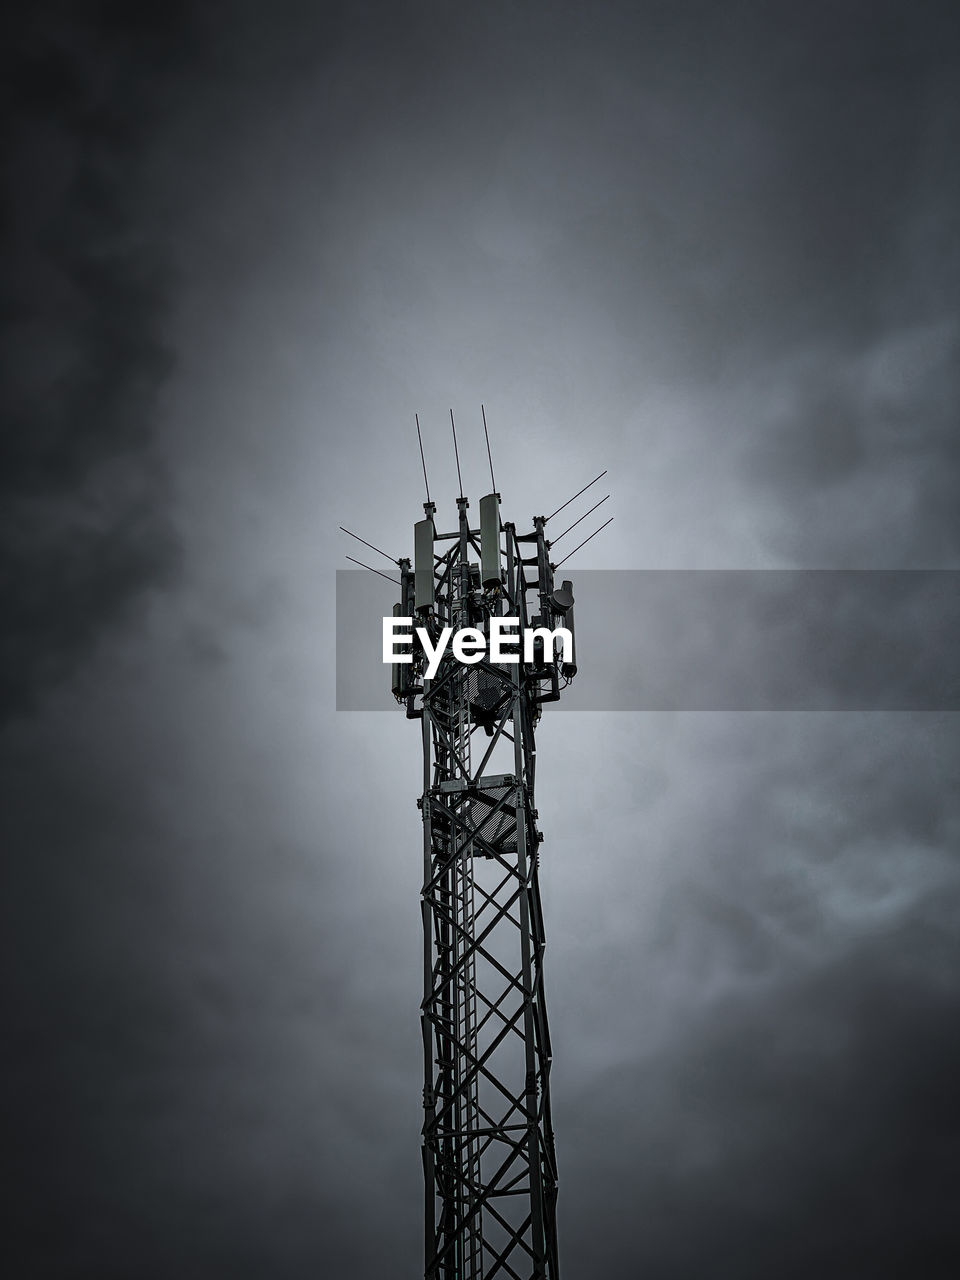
711 247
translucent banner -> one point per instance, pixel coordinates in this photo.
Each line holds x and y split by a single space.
719 640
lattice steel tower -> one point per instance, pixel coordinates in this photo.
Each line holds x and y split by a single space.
489 1162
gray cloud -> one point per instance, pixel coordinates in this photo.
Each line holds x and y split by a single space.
84 343
712 248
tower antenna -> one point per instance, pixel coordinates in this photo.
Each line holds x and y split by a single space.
576 522
426 484
383 553
456 452
583 543
576 495
486 435
372 570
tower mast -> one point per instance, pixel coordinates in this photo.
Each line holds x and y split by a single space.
489 1162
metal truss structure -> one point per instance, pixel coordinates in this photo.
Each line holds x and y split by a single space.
489 1162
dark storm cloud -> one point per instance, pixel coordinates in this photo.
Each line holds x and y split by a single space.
803 1132
774 164
192 994
84 338
782 963
764 211
714 245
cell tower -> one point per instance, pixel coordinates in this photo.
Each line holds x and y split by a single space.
489 1162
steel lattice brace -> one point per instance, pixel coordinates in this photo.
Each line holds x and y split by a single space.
488 1149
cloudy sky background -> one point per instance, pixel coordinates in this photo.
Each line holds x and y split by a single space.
711 247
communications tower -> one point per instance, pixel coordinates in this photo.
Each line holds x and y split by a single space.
489 1163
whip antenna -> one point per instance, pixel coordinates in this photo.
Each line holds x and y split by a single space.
422 459
372 547
576 522
577 495
584 542
372 570
493 483
456 452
